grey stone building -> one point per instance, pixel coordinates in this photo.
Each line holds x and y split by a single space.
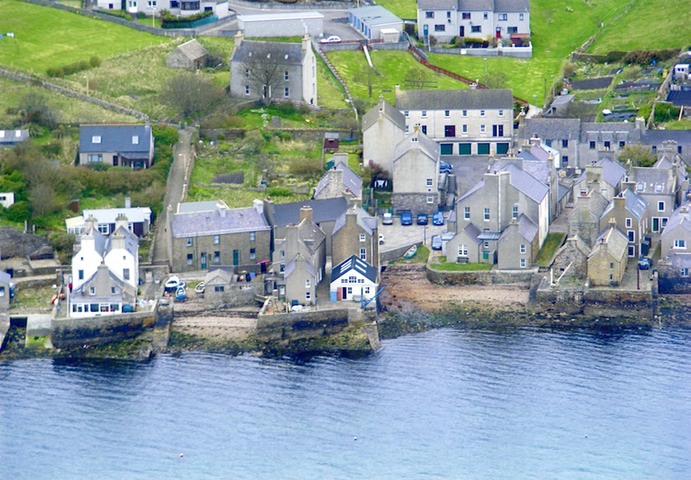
339 181
416 174
223 288
117 145
211 234
628 211
607 260
355 233
383 127
571 262
274 71
676 237
102 294
190 55
605 176
659 186
584 219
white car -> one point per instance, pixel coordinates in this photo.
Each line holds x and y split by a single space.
387 219
331 39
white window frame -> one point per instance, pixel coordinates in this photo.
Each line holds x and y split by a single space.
628 222
363 254
482 113
463 250
522 249
363 237
430 200
486 214
661 206
96 139
308 283
466 213
679 243
523 263
217 239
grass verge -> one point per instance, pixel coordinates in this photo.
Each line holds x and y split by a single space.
549 248
444 266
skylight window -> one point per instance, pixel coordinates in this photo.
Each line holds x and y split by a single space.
96 139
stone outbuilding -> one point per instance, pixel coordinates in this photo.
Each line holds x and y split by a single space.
607 260
190 55
571 261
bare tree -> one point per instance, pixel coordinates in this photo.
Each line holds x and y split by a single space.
265 72
191 94
416 78
43 199
368 77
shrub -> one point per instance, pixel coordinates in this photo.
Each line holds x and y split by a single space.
279 192
18 212
614 56
165 135
95 62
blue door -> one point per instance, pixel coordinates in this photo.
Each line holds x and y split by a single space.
236 257
202 260
425 30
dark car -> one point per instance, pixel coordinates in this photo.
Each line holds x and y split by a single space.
644 263
438 218
406 218
421 219
436 242
445 167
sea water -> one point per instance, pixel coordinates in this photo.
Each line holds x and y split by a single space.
445 404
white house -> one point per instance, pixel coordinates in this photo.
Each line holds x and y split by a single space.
102 294
7 199
139 220
353 279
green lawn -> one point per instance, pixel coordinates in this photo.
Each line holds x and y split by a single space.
636 31
46 37
444 266
400 8
549 248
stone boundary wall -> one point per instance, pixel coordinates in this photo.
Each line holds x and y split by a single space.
597 302
513 52
21 77
483 277
310 324
77 332
388 45
305 5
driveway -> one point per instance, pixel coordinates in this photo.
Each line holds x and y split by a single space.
397 235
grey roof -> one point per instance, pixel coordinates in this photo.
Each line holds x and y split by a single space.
472 232
374 15
484 5
193 50
5 277
617 243
526 183
596 204
417 141
540 169
679 98
131 241
613 129
592 83
613 172
351 180
291 266
217 222
562 100
437 4
115 138
653 180
198 207
487 235
634 203
511 5
383 110
454 99
310 235
553 128
526 228
218 276
13 136
656 137
282 53
679 218
354 263
325 210
108 215
562 191
367 222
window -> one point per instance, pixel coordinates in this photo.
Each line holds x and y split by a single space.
449 130
253 254
660 206
464 128
217 257
512 29
2 291
548 142
497 130
485 244
363 254
363 237
522 248
592 145
514 211
523 263
564 143
308 296
501 112
632 251
622 144
92 291
486 215
684 272
152 3
247 73
446 113
466 15
628 222
424 129
658 188
217 239
428 182
440 28
406 113
126 273
424 113
607 144
247 89
484 15
482 129
80 274
286 92
482 113
219 288
476 28
564 160
189 241
680 243
286 75
96 139
94 158
430 200
135 139
611 265
104 228
308 283
463 250
190 259
521 16
466 213
429 14
464 113
640 186
631 234
503 17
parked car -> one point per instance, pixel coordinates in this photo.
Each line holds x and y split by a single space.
436 242
438 218
644 263
387 219
406 218
445 167
421 219
331 39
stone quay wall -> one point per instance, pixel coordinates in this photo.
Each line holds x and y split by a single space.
481 277
310 324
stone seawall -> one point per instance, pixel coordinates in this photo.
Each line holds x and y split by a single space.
594 303
482 277
311 324
77 332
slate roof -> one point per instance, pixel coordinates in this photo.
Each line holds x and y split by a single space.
633 203
351 180
292 266
612 172
526 228
553 128
325 210
131 241
592 83
656 137
680 98
197 207
218 222
218 276
354 263
540 169
484 5
511 5
526 183
424 143
593 130
652 180
108 215
596 204
374 15
617 243
13 136
472 232
115 138
310 235
679 218
282 53
562 191
454 99
437 4
367 222
385 110
193 50
562 100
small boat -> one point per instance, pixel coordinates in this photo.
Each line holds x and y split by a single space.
180 294
410 253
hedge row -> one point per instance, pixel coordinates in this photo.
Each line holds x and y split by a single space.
75 67
171 21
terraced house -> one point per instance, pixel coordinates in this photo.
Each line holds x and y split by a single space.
446 19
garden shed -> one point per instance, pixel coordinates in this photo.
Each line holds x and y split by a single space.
190 55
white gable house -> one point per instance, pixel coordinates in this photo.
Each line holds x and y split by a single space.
353 279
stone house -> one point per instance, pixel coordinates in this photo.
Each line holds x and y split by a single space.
505 194
608 258
658 186
628 211
415 175
571 262
446 19
103 293
605 176
223 288
355 233
339 181
118 145
662 140
676 237
463 122
353 279
209 234
274 71
383 127
190 55
584 219
560 134
541 162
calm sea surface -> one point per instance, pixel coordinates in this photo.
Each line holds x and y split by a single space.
443 404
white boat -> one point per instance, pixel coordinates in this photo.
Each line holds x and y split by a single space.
410 253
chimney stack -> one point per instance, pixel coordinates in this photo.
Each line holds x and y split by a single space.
306 213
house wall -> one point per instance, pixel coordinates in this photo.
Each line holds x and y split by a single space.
379 143
452 20
583 222
233 294
670 235
619 214
571 260
87 260
227 244
655 213
411 172
471 246
357 287
674 274
509 254
296 288
346 242
602 264
7 199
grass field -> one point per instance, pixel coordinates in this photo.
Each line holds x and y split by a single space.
444 266
47 37
400 8
549 248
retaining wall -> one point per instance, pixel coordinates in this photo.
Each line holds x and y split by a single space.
596 303
483 277
311 324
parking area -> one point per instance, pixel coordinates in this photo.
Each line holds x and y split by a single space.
397 235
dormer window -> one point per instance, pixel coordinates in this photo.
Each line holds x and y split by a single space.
135 139
640 187
96 139
658 188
